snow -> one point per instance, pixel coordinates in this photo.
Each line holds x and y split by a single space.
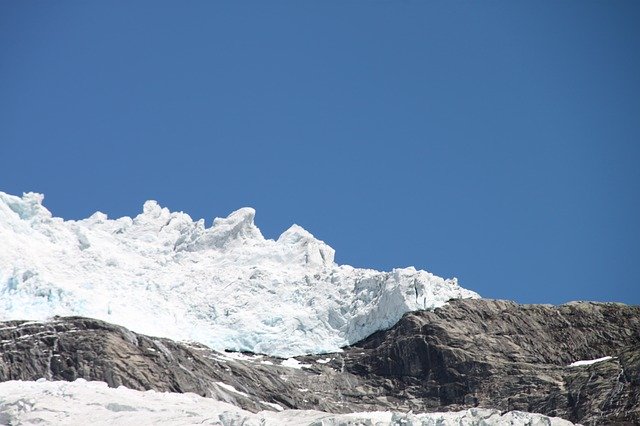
73 403
225 286
231 389
294 363
589 362
273 405
237 356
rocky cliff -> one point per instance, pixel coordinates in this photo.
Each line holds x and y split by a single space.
469 353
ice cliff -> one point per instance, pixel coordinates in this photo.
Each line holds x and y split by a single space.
226 286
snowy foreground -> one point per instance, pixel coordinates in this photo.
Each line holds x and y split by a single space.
74 403
226 286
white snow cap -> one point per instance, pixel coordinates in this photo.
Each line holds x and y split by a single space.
226 286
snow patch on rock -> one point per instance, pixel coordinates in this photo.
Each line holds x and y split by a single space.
583 363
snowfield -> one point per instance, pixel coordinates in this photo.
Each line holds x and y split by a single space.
226 286
75 403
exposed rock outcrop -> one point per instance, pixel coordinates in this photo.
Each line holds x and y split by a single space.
513 357
469 353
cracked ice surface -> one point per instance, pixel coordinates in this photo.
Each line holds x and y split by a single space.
226 286
72 403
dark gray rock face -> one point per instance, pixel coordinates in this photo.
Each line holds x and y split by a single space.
514 357
470 353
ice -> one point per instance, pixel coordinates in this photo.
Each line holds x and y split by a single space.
73 403
163 274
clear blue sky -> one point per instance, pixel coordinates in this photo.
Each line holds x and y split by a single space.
497 142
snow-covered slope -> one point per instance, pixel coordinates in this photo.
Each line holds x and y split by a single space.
226 286
73 403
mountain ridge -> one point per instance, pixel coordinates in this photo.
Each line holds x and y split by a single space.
421 364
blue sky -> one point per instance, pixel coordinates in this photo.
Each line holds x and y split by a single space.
497 142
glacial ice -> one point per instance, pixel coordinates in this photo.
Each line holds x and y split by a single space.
226 286
72 403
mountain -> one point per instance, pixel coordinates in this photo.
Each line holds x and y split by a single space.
225 286
220 325
469 354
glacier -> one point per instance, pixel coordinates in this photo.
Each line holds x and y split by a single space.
226 286
72 403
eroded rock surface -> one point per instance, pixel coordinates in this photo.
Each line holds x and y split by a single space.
469 353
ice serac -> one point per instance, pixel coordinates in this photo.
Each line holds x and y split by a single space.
237 227
305 249
163 274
